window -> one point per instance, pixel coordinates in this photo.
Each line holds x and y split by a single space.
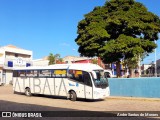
41 73
76 75
44 73
28 64
87 79
21 73
10 64
59 73
80 76
32 73
15 73
107 75
16 55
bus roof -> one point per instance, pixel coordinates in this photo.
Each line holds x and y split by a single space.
77 66
85 66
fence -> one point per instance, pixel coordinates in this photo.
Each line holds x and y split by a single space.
148 87
150 75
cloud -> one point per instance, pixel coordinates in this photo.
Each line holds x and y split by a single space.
65 44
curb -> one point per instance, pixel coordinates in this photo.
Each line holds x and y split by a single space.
133 98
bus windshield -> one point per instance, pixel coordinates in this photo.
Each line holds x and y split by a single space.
101 81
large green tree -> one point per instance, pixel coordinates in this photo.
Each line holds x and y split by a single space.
121 29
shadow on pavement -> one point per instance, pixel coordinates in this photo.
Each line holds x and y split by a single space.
49 113
61 97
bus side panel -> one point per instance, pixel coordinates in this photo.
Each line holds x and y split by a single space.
60 87
41 86
35 85
18 84
80 90
75 86
47 86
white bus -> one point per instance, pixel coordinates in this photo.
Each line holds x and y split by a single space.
70 80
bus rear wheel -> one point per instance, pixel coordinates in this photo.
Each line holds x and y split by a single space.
73 96
28 92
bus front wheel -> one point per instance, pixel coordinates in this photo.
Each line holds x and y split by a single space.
73 96
28 92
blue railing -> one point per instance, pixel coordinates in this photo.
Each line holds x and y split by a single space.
135 87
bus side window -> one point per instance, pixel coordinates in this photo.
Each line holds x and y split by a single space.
76 75
44 73
15 73
71 74
59 73
31 73
28 73
80 79
87 79
22 73
36 73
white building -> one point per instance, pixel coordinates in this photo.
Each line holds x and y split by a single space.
41 62
158 67
71 59
144 67
10 57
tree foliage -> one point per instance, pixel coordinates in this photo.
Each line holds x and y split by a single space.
119 29
53 59
94 61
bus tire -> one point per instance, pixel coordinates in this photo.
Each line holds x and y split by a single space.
28 92
73 96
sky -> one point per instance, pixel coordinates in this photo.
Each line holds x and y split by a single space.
50 26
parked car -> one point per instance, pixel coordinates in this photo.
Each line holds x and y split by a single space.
108 73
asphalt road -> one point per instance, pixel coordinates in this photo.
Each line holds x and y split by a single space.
19 102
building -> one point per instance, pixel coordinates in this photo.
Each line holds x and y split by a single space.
75 59
41 62
144 67
10 57
158 67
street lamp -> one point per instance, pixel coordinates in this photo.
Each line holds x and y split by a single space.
155 60
73 56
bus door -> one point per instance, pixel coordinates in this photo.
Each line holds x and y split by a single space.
88 85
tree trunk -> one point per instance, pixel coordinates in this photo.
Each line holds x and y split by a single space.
118 69
132 73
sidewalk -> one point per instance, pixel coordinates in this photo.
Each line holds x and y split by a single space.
133 98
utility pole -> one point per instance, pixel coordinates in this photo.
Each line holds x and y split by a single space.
155 61
139 64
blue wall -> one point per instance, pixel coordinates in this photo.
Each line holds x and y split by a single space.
135 87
